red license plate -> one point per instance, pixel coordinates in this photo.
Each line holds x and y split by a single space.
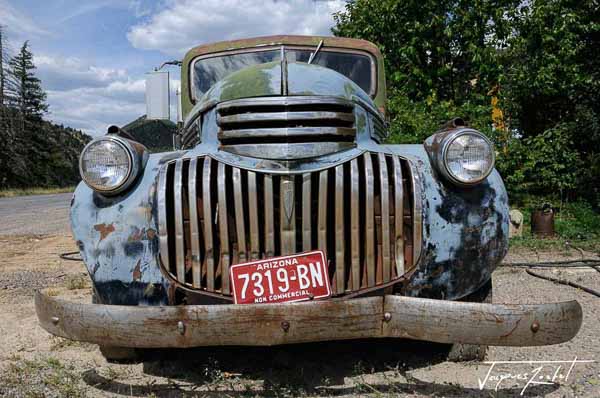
281 279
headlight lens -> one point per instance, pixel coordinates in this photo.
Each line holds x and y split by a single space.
468 157
106 164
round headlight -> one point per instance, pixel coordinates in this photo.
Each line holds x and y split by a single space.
107 164
468 157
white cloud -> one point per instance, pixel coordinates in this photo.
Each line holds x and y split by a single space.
186 23
140 8
18 24
91 98
68 73
93 109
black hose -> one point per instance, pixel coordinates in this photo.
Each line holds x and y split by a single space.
592 263
68 256
565 282
557 264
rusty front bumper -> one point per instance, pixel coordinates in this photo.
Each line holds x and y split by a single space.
272 324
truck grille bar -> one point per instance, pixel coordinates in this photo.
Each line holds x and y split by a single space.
309 126
362 214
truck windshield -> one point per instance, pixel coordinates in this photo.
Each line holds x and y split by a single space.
208 71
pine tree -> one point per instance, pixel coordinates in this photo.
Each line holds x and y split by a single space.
27 104
2 76
6 142
33 152
29 96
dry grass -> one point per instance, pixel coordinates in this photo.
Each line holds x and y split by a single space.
75 282
9 193
40 378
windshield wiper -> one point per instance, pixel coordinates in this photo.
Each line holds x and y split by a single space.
314 55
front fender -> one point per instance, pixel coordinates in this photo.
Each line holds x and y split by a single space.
118 240
465 231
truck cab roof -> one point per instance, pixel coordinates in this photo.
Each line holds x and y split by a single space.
377 88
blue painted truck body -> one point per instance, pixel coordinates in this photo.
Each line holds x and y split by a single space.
464 231
280 157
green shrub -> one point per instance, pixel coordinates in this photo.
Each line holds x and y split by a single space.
413 121
578 221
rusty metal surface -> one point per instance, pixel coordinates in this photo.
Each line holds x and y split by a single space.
444 321
465 231
398 217
448 245
313 41
287 215
118 240
295 151
261 85
274 324
194 224
365 261
542 223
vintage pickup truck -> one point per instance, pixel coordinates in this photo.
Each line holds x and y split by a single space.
284 217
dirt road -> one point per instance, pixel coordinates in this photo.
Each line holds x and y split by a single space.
35 214
33 363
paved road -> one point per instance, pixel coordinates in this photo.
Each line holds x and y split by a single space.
35 214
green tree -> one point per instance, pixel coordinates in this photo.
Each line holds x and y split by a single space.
27 101
448 58
436 50
7 149
2 74
551 93
33 152
29 95
441 57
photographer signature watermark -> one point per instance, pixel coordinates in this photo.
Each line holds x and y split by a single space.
543 373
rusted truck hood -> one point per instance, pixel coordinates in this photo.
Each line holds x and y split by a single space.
281 78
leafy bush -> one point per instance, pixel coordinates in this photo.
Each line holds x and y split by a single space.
542 164
413 121
578 221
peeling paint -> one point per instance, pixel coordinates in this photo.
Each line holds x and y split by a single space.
137 273
464 234
104 230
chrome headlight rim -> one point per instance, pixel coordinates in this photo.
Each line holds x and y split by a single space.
133 159
443 166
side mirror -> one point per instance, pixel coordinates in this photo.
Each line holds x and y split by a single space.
158 104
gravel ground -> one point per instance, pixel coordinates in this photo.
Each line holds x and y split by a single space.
33 363
35 214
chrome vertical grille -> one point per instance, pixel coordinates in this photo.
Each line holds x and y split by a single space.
362 214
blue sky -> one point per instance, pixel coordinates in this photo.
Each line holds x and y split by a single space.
92 55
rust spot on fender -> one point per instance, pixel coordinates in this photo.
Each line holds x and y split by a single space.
513 329
104 229
150 233
137 235
137 272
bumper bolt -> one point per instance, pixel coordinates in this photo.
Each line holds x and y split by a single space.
535 326
285 326
387 317
181 328
54 320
